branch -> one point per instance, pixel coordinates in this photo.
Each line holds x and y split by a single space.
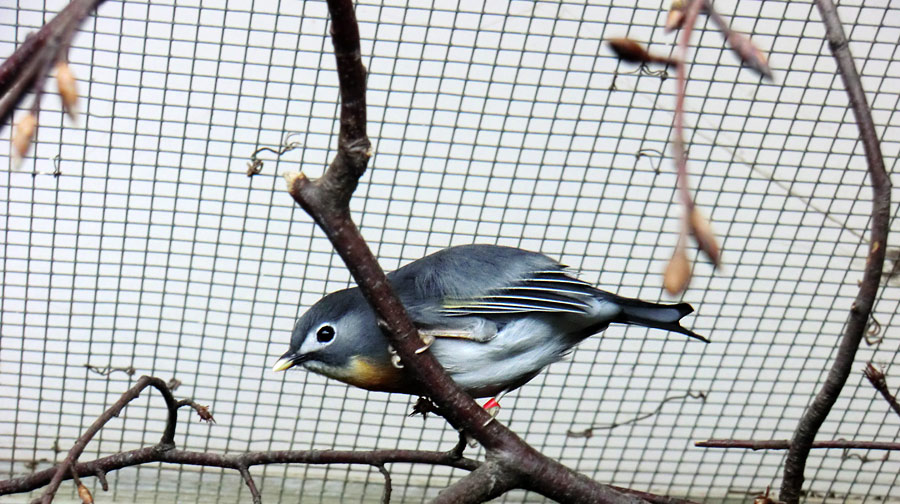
481 485
21 70
326 200
151 454
167 441
785 444
861 309
388 486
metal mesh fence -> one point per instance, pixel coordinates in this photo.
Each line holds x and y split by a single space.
494 122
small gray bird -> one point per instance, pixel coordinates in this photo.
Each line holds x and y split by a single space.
494 317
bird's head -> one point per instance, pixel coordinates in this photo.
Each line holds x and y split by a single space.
339 338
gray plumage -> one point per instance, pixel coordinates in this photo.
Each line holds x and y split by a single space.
499 315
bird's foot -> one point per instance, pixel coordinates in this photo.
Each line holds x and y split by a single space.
427 338
395 358
423 407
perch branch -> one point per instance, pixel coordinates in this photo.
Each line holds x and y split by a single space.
861 309
326 200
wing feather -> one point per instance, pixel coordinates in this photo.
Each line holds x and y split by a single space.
544 291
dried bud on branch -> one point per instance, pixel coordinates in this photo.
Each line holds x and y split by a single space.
68 90
85 494
629 50
204 413
703 233
22 136
678 272
675 18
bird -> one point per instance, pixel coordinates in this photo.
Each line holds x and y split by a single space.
494 317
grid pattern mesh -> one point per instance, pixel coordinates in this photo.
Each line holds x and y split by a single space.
502 122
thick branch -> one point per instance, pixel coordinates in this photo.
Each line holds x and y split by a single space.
489 481
861 309
327 201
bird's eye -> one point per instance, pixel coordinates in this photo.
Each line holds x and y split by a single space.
325 334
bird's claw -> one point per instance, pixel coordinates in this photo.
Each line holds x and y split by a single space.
395 358
424 406
426 338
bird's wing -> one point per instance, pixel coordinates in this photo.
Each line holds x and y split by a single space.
548 291
464 292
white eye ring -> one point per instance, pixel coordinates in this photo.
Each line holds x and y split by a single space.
325 334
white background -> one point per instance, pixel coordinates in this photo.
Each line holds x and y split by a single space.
507 123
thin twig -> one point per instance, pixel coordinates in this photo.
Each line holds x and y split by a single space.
785 444
386 496
248 479
860 311
589 432
108 370
690 18
877 379
742 45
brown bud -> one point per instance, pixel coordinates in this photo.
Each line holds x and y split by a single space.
678 272
703 233
205 414
675 18
85 494
22 136
629 50
68 91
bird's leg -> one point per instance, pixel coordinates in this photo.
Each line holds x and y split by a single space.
492 406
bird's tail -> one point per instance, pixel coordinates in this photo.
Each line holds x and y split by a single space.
655 315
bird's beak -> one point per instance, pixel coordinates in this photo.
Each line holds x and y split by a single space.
283 364
287 361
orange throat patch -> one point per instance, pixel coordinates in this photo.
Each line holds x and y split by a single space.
367 374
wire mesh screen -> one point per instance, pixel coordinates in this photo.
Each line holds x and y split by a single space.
152 251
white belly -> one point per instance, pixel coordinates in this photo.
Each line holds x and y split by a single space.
519 350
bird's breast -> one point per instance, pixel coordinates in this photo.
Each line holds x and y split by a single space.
366 373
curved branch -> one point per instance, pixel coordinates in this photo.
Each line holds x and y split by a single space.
167 442
861 309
